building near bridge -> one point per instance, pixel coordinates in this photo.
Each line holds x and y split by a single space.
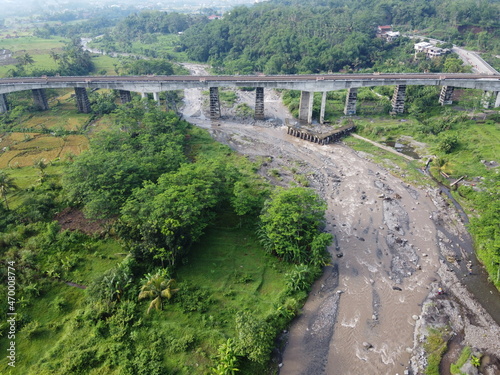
386 32
430 49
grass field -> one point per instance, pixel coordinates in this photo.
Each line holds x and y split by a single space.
38 48
227 272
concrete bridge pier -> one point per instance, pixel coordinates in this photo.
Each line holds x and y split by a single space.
445 96
156 97
306 106
214 103
486 99
350 101
82 100
398 99
497 101
144 95
323 106
40 99
125 96
4 104
259 103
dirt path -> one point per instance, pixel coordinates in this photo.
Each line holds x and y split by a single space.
360 317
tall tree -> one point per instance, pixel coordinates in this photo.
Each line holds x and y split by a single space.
7 184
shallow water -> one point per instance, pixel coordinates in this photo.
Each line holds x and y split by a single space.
402 148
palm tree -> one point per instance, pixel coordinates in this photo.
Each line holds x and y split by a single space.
6 184
25 59
157 286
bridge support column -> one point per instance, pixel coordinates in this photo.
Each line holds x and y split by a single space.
445 96
497 101
259 103
40 99
323 106
486 99
82 100
125 96
156 97
144 95
214 103
350 101
4 104
398 99
306 106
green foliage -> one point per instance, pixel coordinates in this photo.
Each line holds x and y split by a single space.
290 224
447 143
435 346
226 362
145 143
167 217
476 361
464 357
300 278
157 286
486 228
153 66
7 184
113 284
254 340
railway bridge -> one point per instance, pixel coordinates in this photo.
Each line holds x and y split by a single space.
307 84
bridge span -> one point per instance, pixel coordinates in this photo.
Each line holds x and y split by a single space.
307 84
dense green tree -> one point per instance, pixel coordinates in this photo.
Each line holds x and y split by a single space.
146 143
290 225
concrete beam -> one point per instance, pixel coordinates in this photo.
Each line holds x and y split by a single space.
306 106
445 95
323 106
125 96
350 102
214 103
4 104
82 100
398 99
259 103
40 99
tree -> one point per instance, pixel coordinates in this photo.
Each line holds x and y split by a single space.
25 59
291 223
255 337
6 184
157 286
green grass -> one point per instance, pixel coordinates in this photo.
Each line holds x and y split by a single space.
407 171
435 346
228 266
104 62
464 357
